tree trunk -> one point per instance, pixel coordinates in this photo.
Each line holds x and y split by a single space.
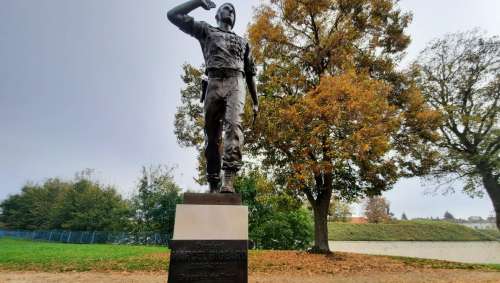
320 206
321 227
492 186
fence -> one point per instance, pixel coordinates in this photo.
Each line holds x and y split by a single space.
91 237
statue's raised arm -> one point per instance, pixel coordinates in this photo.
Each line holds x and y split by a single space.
179 14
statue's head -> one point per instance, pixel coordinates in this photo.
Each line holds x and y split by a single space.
226 14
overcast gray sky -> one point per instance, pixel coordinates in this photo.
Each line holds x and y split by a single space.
95 84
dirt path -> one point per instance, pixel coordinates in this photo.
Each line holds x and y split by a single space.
427 276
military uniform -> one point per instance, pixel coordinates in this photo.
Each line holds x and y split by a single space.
228 60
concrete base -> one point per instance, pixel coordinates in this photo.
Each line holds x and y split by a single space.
210 242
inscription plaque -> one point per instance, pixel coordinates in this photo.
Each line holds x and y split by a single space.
208 261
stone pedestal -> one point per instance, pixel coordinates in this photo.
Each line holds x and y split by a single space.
210 243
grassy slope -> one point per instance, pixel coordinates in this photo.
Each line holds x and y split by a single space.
27 255
492 233
407 231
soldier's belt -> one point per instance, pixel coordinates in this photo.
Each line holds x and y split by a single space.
224 73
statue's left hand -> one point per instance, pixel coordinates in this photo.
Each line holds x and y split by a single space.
255 113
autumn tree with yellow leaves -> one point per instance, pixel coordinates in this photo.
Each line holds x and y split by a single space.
336 116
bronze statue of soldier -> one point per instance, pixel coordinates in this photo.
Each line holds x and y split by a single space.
229 64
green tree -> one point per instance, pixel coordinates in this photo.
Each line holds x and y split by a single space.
81 204
339 210
34 207
448 216
459 77
155 200
277 219
404 217
90 206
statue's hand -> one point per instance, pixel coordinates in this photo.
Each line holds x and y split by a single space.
255 110
207 4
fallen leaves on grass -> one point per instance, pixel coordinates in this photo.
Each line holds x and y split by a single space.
306 263
260 262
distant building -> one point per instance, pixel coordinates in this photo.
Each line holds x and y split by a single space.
475 219
477 222
480 225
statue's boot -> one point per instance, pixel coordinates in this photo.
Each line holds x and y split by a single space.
214 187
228 184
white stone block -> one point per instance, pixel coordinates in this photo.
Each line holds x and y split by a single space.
211 222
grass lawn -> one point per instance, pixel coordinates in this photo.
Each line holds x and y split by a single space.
415 230
441 264
27 255
23 255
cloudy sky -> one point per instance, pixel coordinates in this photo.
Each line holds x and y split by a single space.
95 84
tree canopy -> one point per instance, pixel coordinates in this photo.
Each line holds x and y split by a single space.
155 200
377 210
459 77
448 216
338 118
80 205
277 219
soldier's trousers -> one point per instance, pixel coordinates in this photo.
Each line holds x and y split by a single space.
224 103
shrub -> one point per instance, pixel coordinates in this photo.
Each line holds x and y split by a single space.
276 220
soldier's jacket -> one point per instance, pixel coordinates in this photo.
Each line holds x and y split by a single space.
221 49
